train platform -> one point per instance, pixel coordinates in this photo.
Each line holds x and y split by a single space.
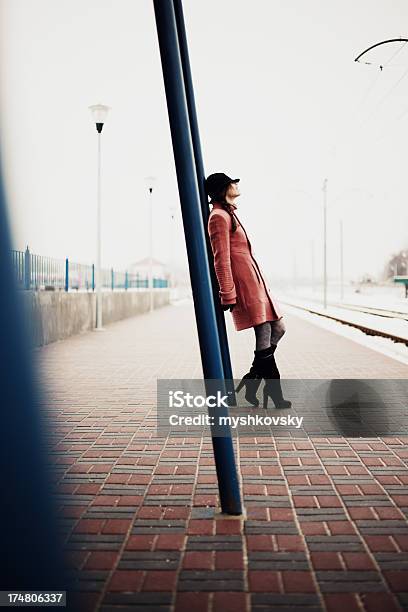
326 516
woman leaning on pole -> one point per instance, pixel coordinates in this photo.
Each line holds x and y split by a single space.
243 290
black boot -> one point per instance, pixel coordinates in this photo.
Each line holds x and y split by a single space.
253 378
272 386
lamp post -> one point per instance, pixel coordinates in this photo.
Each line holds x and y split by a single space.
325 243
150 183
99 114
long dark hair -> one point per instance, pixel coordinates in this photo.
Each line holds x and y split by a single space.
220 197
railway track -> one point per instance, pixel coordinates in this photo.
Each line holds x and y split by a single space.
370 331
379 312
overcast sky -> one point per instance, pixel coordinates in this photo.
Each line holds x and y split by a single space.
281 104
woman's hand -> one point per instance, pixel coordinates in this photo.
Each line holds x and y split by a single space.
228 306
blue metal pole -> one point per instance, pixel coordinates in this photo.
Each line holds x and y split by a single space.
195 242
27 269
31 549
205 210
66 274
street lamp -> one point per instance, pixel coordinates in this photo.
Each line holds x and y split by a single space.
99 114
150 183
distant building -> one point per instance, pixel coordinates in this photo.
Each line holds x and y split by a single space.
141 267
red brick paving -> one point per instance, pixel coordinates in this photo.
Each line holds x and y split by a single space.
137 511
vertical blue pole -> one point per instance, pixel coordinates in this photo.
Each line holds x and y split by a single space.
66 274
198 157
31 549
195 242
112 279
93 277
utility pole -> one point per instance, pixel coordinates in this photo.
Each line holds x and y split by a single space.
341 262
325 243
313 264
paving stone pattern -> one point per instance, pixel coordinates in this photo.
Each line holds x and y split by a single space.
326 525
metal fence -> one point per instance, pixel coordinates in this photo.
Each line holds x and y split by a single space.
37 273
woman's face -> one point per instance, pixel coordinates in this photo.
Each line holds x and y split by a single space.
232 191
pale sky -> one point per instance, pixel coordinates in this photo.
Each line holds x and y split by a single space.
281 104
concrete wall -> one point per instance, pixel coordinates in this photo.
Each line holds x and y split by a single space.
55 315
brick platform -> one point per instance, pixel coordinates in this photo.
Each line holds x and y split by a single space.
326 524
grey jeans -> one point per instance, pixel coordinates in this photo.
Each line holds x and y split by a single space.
268 333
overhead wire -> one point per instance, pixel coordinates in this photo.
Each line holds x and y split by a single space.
382 100
381 66
378 75
370 88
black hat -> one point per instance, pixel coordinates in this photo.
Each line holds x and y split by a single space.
215 183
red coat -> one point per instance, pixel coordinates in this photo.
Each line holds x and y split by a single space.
239 276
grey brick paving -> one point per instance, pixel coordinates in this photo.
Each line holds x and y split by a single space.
278 561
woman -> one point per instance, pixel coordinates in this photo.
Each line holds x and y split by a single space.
242 289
